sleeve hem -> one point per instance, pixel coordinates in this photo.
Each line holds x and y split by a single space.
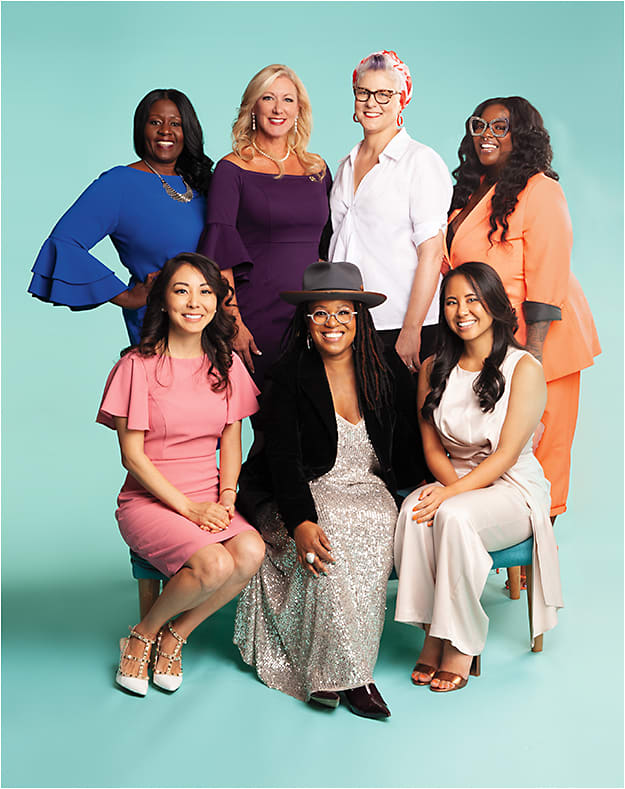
535 311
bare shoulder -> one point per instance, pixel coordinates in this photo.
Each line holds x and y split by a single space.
528 374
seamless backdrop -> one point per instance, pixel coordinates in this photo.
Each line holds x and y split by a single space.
72 74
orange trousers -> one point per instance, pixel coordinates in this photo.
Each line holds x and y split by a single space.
554 448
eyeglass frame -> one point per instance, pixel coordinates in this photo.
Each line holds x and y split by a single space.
331 315
373 93
488 125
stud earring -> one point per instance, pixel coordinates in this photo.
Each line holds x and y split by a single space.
253 122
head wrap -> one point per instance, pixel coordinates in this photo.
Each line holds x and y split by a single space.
399 66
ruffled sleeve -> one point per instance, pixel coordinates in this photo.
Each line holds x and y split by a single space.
126 394
243 392
65 273
221 240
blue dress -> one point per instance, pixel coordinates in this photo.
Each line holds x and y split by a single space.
145 225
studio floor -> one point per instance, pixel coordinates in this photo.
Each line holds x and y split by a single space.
531 720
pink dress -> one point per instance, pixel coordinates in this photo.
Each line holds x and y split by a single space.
183 418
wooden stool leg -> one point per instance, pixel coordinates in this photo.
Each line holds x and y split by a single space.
149 590
538 641
514 582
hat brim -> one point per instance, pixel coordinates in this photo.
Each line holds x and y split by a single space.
368 297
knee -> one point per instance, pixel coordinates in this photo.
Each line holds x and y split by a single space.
452 516
249 556
212 567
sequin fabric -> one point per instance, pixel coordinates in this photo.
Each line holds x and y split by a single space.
304 633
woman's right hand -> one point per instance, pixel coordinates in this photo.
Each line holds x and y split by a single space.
136 297
310 538
208 515
244 344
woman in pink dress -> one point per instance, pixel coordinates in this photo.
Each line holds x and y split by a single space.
170 399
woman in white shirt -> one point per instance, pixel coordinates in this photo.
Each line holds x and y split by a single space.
389 208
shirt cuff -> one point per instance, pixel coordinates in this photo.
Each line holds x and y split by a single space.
535 311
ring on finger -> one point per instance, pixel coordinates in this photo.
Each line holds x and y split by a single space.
310 557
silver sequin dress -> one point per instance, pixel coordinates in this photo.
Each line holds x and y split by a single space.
304 633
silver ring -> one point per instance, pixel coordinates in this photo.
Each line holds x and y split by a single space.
410 365
310 557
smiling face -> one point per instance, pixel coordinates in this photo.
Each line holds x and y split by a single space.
277 108
493 152
464 312
372 116
164 138
333 339
189 301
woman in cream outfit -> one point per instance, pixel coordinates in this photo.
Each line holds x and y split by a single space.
480 399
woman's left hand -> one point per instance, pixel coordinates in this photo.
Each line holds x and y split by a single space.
227 499
430 499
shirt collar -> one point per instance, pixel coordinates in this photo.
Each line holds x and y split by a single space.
394 149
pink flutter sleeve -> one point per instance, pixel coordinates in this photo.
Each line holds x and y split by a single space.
243 392
126 394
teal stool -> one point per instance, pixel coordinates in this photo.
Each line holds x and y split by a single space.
150 580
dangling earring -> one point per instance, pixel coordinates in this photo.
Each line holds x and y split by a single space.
163 309
354 118
400 120
295 126
253 122
309 341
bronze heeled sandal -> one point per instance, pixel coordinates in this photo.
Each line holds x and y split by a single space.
422 668
135 683
165 679
457 681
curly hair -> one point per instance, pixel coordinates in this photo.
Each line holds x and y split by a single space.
373 376
531 154
242 134
216 337
490 384
192 164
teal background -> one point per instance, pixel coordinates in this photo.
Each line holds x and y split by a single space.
72 74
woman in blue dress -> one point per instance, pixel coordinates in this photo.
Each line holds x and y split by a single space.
152 210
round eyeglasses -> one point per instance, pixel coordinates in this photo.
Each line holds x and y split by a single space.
499 127
381 96
322 316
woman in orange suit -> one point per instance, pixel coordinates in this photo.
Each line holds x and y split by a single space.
509 211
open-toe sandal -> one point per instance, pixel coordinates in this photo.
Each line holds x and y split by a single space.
422 668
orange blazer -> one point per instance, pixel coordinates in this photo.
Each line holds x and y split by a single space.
534 264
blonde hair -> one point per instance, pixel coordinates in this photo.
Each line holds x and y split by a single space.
242 134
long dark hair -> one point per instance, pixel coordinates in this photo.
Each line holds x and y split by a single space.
192 164
531 153
490 384
216 337
373 377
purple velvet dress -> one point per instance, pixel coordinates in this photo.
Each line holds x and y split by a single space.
267 231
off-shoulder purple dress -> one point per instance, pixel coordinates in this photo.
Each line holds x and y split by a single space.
267 230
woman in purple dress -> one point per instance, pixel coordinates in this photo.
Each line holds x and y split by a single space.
267 209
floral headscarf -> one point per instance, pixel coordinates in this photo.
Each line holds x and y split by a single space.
402 69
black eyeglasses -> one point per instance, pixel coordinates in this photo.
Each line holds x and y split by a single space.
499 126
320 317
381 96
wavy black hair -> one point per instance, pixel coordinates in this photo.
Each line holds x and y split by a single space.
192 164
373 376
531 153
216 337
490 384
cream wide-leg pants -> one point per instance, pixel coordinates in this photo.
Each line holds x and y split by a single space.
443 568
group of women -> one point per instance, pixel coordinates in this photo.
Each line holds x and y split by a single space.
469 285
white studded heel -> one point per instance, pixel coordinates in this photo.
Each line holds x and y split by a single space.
135 683
165 679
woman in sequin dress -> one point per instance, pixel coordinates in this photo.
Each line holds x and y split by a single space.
320 493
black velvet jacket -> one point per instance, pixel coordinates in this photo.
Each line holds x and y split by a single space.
297 441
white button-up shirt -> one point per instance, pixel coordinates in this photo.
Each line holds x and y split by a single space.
401 202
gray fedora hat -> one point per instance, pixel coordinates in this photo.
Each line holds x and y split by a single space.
338 280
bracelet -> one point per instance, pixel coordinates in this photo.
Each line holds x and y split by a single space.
223 490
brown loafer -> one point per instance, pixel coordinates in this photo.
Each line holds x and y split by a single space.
367 702
328 698
422 668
